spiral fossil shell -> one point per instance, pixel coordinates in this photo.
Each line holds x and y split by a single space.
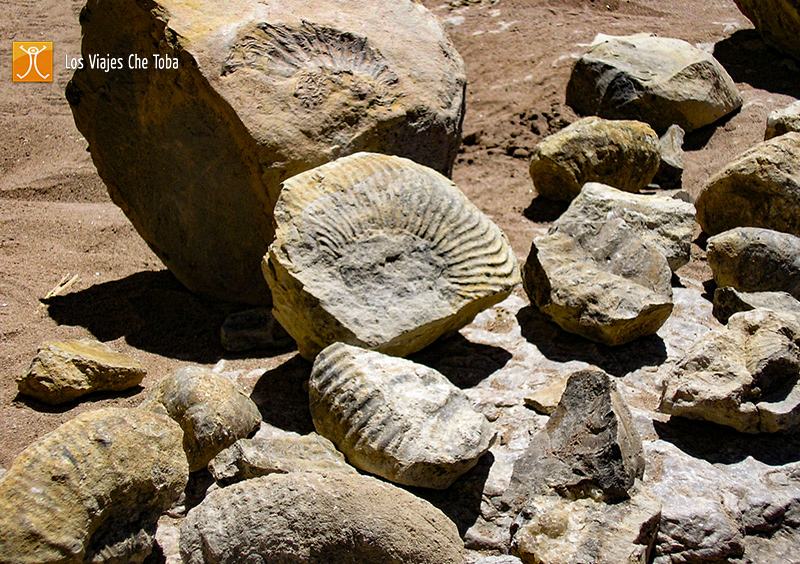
381 252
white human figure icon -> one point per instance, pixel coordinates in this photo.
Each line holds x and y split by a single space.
33 52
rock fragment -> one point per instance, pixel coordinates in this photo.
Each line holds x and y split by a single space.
670 169
92 490
392 417
783 121
253 329
63 371
778 22
212 412
728 301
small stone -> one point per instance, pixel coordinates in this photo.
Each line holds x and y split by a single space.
63 371
251 458
392 417
760 188
778 22
317 519
728 301
622 154
504 559
670 170
657 80
546 399
92 490
212 412
253 329
783 121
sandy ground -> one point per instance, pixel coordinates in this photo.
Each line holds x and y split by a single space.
56 218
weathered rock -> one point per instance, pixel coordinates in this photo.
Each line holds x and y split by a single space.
545 400
380 252
395 418
504 559
253 329
251 458
744 376
92 490
599 277
728 301
657 80
670 169
760 188
756 260
317 519
783 121
212 412
622 154
778 22
557 530
588 449
195 154
63 371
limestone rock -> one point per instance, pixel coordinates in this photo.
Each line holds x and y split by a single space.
251 458
253 329
395 418
783 121
600 278
622 154
756 260
317 519
504 559
728 301
670 169
380 252
657 80
212 412
254 93
546 399
778 22
760 188
92 490
63 371
744 376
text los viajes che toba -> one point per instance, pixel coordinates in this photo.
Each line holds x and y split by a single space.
131 62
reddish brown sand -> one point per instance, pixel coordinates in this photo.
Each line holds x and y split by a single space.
56 218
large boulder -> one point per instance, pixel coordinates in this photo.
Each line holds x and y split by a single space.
210 409
380 252
239 96
602 277
63 371
744 376
92 490
760 188
622 154
778 22
317 519
751 259
395 418
657 80
783 121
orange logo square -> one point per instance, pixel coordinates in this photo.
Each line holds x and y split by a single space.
33 61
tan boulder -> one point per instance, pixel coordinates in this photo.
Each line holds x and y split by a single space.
778 22
783 121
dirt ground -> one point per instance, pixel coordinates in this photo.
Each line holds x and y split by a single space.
56 218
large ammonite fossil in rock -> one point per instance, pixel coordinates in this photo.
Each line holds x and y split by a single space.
383 253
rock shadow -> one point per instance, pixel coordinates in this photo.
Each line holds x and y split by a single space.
93 397
281 395
697 139
545 210
748 59
463 362
561 346
719 444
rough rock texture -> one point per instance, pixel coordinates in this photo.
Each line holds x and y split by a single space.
756 260
604 278
251 458
504 559
545 400
395 418
195 155
212 412
778 22
559 531
744 376
728 301
380 252
760 188
657 80
670 169
317 519
63 371
622 154
783 121
92 490
253 329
